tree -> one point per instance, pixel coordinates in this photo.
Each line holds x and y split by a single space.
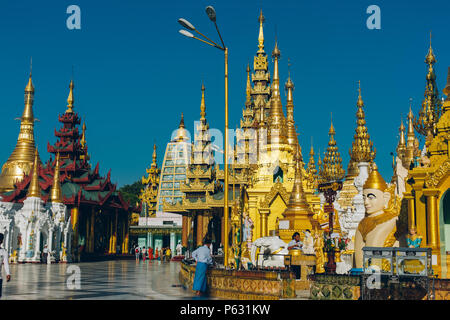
131 192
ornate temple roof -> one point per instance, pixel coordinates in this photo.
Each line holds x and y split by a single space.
78 183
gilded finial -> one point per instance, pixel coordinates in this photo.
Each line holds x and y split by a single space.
154 164
202 104
34 189
360 102
181 121
30 87
83 135
70 99
261 20
55 192
430 59
276 52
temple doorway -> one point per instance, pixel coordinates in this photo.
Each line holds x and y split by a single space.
166 241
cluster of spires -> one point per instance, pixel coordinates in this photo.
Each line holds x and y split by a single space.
428 116
430 111
26 150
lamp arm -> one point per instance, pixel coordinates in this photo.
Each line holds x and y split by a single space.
215 44
217 28
211 44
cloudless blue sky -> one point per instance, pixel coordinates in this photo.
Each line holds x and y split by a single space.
135 74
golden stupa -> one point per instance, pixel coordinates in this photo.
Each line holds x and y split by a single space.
21 159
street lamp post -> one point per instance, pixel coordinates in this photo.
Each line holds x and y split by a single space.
212 16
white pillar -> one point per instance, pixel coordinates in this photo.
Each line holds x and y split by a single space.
50 245
37 248
68 244
172 242
24 246
58 242
7 240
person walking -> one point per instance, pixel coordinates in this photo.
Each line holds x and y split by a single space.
150 253
168 254
144 251
203 258
137 252
44 254
3 261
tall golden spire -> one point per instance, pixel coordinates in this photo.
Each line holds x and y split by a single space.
21 159
362 148
70 99
55 192
410 138
430 111
291 132
261 20
154 165
277 130
34 189
202 105
332 162
261 81
248 89
297 205
401 147
311 169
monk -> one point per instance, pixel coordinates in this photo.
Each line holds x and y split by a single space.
150 253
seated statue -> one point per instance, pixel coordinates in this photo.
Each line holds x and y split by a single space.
308 243
413 240
378 227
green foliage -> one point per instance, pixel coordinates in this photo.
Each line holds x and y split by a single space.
131 192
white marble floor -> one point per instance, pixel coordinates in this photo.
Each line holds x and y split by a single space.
115 280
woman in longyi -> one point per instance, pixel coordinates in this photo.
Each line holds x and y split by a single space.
379 226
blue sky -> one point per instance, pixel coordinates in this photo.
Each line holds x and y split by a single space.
135 74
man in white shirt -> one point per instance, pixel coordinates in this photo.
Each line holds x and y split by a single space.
203 257
295 243
3 261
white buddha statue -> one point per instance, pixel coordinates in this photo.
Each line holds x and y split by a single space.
378 227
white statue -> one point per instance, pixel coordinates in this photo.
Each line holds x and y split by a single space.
179 248
248 226
401 173
378 227
272 251
308 243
